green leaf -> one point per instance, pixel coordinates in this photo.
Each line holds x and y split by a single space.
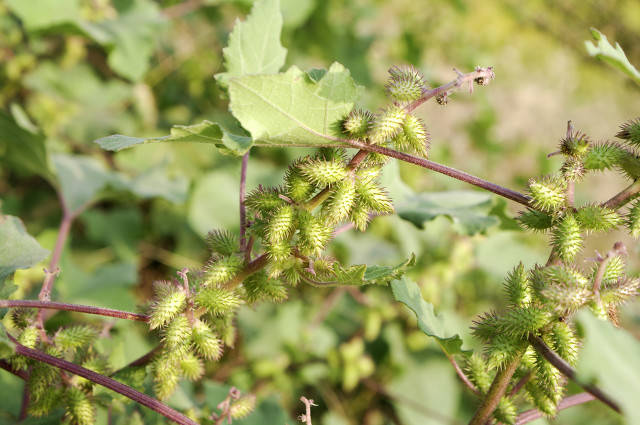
614 56
129 38
254 45
469 211
7 347
23 150
408 293
18 249
291 109
46 13
205 132
611 357
81 180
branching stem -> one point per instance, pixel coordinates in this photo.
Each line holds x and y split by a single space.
566 369
107 382
51 305
574 400
627 195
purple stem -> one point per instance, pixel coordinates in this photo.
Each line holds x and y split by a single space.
243 209
107 382
574 400
63 233
51 305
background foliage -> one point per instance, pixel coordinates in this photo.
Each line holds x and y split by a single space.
76 70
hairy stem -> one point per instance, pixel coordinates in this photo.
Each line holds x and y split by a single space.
574 400
497 390
107 382
443 169
566 369
243 209
623 197
50 305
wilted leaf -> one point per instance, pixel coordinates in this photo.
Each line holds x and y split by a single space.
291 109
614 56
205 132
254 45
408 293
611 357
18 249
24 151
468 210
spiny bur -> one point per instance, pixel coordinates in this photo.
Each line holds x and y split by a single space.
218 301
338 206
222 242
567 238
603 156
323 172
595 218
630 132
548 193
241 407
535 220
221 270
314 233
388 123
167 304
206 343
413 137
358 123
632 219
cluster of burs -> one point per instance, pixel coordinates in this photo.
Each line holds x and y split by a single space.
541 301
292 225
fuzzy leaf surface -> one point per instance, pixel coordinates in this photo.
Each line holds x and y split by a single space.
614 56
291 108
408 293
611 357
254 45
18 249
469 211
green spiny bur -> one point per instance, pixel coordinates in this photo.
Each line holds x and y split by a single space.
564 342
373 196
548 193
20 318
278 252
630 132
406 83
205 342
281 224
191 367
517 286
548 379
540 399
573 169
485 327
221 270
177 332
535 220
503 349
259 287
167 306
314 233
616 293
614 270
576 145
603 156
298 187
222 242
597 218
633 219
166 375
323 172
522 321
388 123
413 137
478 372
338 206
567 238
29 337
263 200
360 215
358 123
218 301
243 406
506 411
78 407
74 337
368 174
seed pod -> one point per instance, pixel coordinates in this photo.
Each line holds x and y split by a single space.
406 83
323 172
166 374
177 332
243 406
74 337
191 367
603 156
221 270
630 132
573 169
263 200
517 286
298 187
413 137
594 218
388 123
565 342
338 206
360 215
278 252
281 224
78 407
167 307
567 238
478 372
358 123
314 234
374 197
206 343
218 301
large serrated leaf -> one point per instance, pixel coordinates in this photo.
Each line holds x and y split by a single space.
614 56
204 132
408 293
254 45
611 357
18 249
293 109
469 211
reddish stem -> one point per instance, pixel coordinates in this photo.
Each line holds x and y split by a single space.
63 233
51 305
22 374
107 382
243 209
574 400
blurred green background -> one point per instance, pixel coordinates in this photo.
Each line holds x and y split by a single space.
78 70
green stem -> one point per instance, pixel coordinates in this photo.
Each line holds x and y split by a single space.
496 392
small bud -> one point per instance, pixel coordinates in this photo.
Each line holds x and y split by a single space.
576 145
442 99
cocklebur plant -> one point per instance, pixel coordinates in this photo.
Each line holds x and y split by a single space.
284 233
